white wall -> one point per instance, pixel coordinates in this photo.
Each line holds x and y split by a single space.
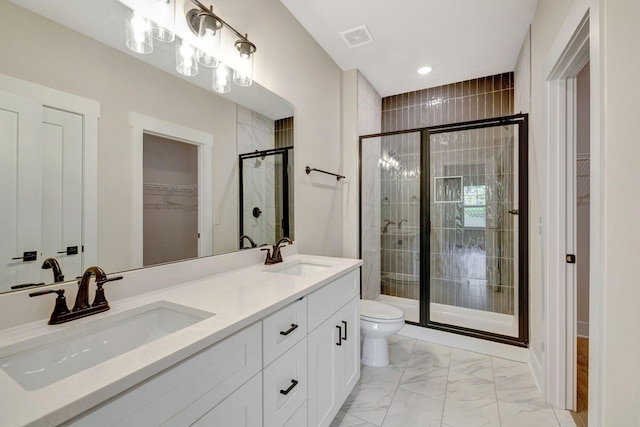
620 370
290 63
548 20
614 371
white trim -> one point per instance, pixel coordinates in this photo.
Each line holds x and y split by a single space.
141 124
567 56
477 345
90 111
537 371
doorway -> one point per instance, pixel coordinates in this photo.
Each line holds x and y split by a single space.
170 197
198 197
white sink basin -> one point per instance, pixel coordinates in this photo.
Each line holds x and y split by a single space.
300 268
45 360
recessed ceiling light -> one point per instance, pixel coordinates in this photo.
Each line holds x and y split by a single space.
424 70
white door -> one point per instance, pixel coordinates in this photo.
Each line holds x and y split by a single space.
322 355
62 191
20 181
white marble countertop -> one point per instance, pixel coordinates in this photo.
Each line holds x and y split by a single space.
238 299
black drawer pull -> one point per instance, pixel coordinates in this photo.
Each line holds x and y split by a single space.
339 335
291 387
288 331
345 330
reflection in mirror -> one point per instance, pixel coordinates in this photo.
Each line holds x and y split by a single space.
266 179
56 50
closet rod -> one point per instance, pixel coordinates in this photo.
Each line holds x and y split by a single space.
308 170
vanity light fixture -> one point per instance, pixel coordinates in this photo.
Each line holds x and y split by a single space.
155 19
209 35
208 26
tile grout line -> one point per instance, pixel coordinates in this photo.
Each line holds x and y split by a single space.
399 381
495 390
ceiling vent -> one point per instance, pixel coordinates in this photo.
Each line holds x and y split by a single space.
357 36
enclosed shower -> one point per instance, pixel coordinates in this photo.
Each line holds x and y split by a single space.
444 225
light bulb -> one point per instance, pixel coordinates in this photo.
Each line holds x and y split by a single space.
138 35
185 60
221 79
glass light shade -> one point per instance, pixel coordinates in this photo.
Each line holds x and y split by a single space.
162 20
243 74
186 63
138 34
222 79
209 35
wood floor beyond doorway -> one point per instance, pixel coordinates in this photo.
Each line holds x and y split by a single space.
580 417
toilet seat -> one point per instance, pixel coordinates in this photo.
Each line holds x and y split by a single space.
374 311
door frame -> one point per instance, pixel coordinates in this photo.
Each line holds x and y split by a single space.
577 43
141 124
90 112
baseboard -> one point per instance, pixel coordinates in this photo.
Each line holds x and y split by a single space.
583 329
490 348
536 370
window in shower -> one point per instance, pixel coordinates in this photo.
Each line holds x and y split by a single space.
441 214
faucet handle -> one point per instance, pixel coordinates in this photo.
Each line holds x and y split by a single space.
100 299
61 303
268 260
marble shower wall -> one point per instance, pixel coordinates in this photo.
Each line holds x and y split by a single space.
369 122
257 132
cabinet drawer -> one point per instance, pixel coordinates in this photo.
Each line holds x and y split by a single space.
242 409
299 418
285 385
182 394
283 329
329 299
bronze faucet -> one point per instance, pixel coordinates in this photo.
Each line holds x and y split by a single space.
52 263
276 257
61 313
244 236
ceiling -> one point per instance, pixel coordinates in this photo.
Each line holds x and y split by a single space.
459 39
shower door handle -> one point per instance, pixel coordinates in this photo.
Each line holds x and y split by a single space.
514 212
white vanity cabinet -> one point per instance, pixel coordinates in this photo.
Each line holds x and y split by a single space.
187 391
295 367
334 347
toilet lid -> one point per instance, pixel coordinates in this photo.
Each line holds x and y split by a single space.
375 310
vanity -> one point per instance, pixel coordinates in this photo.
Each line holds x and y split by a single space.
258 345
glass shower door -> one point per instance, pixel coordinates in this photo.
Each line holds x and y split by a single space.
474 218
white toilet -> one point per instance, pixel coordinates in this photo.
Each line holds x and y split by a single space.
377 322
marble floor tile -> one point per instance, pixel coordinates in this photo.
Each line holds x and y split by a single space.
372 395
400 349
345 420
474 364
429 384
510 375
521 415
413 410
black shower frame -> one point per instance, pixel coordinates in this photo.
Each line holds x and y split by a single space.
521 120
285 182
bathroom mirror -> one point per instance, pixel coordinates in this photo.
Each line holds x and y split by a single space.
80 51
